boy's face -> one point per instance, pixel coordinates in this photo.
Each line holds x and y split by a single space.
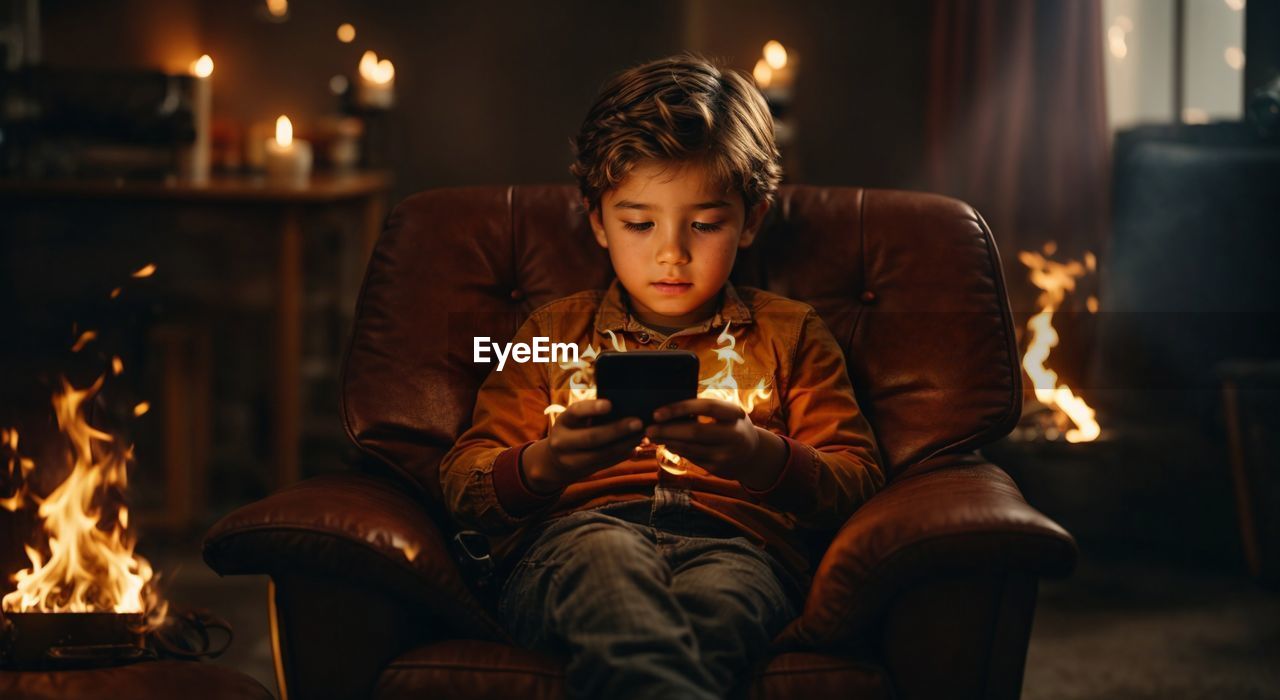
672 236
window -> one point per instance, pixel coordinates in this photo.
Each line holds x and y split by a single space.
1141 60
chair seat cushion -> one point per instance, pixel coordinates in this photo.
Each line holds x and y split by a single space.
477 669
188 680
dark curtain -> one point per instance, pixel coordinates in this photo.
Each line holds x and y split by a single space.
1016 124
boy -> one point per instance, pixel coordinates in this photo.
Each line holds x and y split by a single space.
661 562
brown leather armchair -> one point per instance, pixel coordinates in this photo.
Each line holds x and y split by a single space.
926 592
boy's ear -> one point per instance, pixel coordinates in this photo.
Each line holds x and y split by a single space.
597 223
751 227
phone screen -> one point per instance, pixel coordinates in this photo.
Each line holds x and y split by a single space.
639 382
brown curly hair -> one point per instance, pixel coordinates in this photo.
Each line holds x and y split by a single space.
678 109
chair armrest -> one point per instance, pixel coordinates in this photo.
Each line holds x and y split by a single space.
956 514
351 527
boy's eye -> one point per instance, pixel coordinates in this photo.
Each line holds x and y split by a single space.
703 226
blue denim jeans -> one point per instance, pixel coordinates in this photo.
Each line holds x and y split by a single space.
648 599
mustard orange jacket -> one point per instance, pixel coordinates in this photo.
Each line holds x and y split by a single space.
791 374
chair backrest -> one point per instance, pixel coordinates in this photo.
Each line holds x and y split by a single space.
909 283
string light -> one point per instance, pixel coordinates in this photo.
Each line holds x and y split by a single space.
1234 57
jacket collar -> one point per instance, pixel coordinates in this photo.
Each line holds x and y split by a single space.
614 313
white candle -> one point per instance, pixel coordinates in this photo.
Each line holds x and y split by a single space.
197 159
376 87
288 160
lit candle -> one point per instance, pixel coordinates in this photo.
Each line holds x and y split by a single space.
376 87
202 114
775 56
288 159
774 72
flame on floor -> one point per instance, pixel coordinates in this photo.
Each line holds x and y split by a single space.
1055 280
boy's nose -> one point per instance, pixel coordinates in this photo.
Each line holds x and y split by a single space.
672 249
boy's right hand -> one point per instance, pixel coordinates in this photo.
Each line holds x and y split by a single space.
575 449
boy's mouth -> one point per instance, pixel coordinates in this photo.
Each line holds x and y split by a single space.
672 286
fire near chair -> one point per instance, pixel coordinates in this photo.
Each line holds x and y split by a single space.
926 592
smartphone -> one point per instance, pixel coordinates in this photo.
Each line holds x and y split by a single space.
637 383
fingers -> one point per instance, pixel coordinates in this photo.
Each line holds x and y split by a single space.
614 452
585 461
580 413
576 435
699 433
713 408
596 437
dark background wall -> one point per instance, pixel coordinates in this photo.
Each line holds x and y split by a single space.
490 92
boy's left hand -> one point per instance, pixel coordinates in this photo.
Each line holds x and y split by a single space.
728 445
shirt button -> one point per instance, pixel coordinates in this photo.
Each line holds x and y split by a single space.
674 345
643 338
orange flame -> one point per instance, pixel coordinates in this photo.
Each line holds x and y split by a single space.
1054 280
84 339
91 565
202 67
23 465
284 131
722 385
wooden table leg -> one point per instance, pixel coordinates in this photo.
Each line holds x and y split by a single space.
288 407
184 349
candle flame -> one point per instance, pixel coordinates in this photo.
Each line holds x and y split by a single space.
284 131
775 54
762 73
202 67
145 271
386 71
374 70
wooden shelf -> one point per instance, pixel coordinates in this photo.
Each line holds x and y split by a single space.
322 187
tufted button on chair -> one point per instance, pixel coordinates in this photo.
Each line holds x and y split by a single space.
926 592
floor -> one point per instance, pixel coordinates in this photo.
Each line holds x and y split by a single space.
1131 629
241 600
1118 628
